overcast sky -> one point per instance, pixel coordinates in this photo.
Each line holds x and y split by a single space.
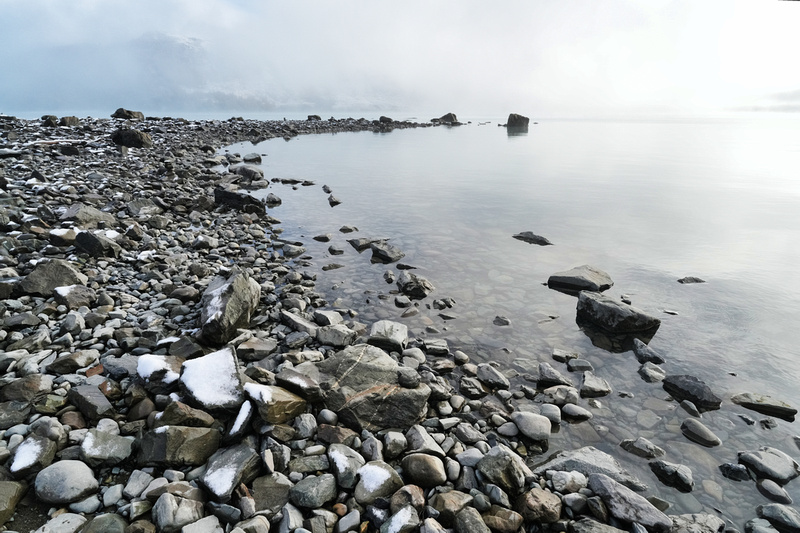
540 58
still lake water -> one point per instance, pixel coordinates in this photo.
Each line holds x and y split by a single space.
647 201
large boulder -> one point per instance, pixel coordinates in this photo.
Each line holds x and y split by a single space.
132 138
614 316
127 114
685 387
363 387
50 274
226 305
177 446
65 482
88 217
413 286
764 404
590 460
627 506
516 121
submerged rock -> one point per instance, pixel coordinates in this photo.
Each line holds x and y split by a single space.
614 316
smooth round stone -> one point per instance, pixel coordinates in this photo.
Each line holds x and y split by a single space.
696 431
568 482
65 482
90 505
509 429
326 416
424 470
551 412
575 412
773 491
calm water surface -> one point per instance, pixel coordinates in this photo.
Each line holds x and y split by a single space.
648 202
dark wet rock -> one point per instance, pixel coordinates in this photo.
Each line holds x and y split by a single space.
581 278
179 414
516 121
627 506
72 362
532 238
448 118
176 446
333 201
228 304
492 377
645 354
127 114
697 523
65 481
363 389
106 523
691 279
132 138
13 413
771 463
734 471
413 286
469 520
614 316
696 431
773 491
765 404
314 491
48 275
590 460
685 387
758 525
229 467
26 388
239 200
96 245
588 525
383 252
652 373
424 470
673 475
783 518
642 447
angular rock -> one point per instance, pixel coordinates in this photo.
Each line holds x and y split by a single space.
516 121
176 446
127 114
492 377
539 505
97 245
228 468
645 354
346 463
276 405
337 335
388 335
239 200
103 448
549 377
32 455
673 475
593 386
71 363
50 274
171 513
405 520
75 296
614 316
88 217
11 492
132 138
505 468
363 389
642 447
413 286
449 504
588 525
582 278
27 388
625 505
228 304
684 387
313 492
468 520
383 252
91 402
590 460
64 482
782 517
212 381
765 405
271 492
697 523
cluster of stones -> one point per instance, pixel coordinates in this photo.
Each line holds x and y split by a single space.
169 366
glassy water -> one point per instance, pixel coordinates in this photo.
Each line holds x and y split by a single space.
648 202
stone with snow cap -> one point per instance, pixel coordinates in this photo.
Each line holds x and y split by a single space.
276 405
376 480
229 467
346 463
212 381
226 305
75 296
102 448
32 455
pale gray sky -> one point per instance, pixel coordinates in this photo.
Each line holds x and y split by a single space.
541 58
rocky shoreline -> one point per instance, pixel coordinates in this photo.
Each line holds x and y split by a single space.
169 366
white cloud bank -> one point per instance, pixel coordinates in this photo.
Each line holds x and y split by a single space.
542 58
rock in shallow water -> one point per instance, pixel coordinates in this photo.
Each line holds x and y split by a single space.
582 278
614 316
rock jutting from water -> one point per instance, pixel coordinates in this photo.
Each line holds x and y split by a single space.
169 364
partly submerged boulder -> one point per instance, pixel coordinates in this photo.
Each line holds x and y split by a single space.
613 315
581 278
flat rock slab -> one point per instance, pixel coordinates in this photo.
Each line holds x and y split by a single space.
771 463
627 506
764 404
614 316
590 460
532 238
581 278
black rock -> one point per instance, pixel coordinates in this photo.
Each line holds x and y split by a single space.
685 387
132 138
532 238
